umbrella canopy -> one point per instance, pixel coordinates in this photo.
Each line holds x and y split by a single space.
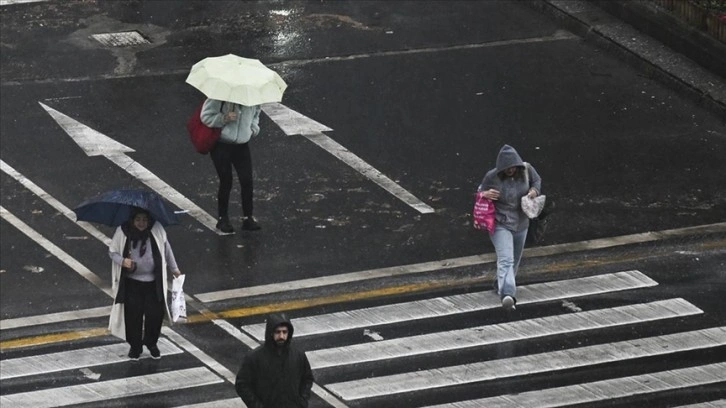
235 79
114 207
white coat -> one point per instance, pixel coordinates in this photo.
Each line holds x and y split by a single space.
117 323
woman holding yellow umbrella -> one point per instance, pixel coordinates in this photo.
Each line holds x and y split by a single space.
235 88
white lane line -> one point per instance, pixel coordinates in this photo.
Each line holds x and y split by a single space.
95 143
559 35
456 263
248 341
105 390
74 359
292 122
359 165
464 303
499 333
103 311
295 123
199 354
11 2
602 390
165 190
530 364
55 251
67 212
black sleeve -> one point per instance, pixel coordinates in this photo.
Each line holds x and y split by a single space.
306 382
244 383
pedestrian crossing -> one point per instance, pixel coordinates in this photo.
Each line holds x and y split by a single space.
412 368
380 372
457 304
118 388
530 364
75 359
602 390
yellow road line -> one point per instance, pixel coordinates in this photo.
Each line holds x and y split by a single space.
609 260
52 338
241 312
343 297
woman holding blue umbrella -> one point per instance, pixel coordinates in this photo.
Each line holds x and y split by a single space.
141 257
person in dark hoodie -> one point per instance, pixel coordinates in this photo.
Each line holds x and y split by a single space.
275 374
506 184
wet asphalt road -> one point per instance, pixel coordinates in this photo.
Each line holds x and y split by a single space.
424 92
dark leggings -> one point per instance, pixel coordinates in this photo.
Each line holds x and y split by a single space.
224 157
142 308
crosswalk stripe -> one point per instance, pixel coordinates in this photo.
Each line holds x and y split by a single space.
602 390
469 302
511 331
226 403
530 364
709 404
105 390
50 318
74 359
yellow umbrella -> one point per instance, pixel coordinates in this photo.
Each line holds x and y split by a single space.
235 79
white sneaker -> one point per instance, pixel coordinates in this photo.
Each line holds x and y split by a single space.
508 303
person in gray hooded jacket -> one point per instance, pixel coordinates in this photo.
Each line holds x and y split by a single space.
275 374
506 184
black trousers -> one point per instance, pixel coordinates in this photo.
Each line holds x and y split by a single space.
142 309
225 156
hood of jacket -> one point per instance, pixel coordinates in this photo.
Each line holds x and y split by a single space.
274 320
508 157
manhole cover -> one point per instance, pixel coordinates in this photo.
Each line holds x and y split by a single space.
122 39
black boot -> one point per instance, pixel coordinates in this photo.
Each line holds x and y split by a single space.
250 224
224 225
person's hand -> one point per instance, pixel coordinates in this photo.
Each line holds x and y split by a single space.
176 273
127 263
491 194
532 193
230 117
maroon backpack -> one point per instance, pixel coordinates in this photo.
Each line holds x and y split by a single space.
203 137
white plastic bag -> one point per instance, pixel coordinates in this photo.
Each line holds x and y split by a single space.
178 303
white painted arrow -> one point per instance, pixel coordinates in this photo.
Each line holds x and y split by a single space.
372 334
88 373
295 123
95 143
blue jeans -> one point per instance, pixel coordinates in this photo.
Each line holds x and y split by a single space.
509 246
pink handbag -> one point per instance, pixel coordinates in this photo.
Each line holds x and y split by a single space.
484 213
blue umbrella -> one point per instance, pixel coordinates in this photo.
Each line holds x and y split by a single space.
113 208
